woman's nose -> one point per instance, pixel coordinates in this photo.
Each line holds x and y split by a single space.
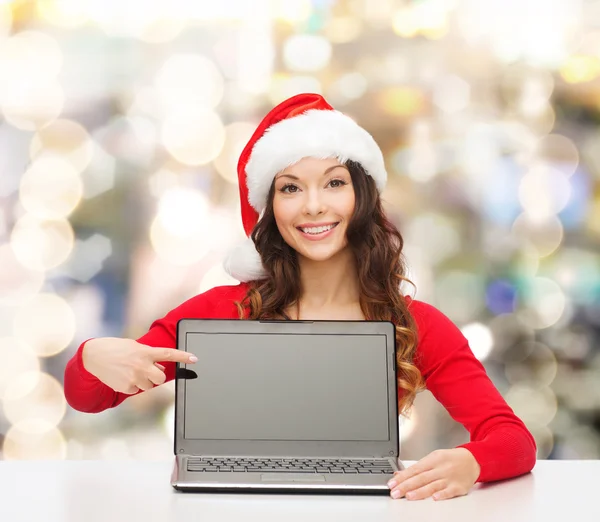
314 204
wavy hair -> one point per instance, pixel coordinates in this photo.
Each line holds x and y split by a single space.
377 246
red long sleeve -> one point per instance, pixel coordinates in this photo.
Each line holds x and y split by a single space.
500 442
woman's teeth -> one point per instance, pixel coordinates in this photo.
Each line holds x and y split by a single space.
317 230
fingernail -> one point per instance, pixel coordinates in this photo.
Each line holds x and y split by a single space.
396 493
392 484
410 495
193 358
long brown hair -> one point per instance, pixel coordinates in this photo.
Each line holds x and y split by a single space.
377 246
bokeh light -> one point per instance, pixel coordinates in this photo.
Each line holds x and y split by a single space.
543 192
513 337
580 69
291 11
284 86
17 358
426 18
480 339
451 94
53 328
17 282
29 107
544 439
182 212
64 13
545 235
577 271
435 235
41 245
6 20
348 87
181 231
34 396
50 188
306 53
342 29
461 294
237 134
150 21
189 81
532 405
501 297
34 440
193 136
30 95
30 55
537 369
543 301
559 151
100 175
65 138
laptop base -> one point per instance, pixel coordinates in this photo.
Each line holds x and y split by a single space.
257 482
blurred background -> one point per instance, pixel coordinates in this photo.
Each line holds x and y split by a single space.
121 123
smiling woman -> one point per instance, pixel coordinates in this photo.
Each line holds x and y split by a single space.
320 247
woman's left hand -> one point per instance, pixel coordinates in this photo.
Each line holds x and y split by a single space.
442 474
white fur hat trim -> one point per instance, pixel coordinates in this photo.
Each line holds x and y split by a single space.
316 134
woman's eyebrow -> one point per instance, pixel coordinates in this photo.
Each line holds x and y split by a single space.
327 171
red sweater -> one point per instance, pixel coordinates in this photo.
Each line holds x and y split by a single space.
500 442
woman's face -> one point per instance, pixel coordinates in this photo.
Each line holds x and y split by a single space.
313 203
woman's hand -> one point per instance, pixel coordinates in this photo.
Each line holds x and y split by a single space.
442 474
127 366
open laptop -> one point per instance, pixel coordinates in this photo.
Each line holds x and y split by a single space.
302 406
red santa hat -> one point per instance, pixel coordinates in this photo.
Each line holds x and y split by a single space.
302 126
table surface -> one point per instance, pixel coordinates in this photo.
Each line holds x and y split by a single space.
115 491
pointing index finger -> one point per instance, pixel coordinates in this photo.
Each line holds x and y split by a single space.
172 355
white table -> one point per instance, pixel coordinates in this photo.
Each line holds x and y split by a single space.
130 491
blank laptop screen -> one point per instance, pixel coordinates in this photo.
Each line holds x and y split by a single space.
287 387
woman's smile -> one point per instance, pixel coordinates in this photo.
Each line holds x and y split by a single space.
316 231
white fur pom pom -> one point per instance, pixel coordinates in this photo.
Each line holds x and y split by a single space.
243 262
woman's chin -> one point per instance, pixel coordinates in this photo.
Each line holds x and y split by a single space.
319 253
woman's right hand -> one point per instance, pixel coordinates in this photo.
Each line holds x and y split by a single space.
127 366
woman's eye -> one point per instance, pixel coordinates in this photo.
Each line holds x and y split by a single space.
336 183
289 189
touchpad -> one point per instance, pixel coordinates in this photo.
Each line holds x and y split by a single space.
292 477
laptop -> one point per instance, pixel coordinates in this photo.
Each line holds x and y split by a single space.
286 406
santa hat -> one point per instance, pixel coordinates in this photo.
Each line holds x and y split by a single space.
302 126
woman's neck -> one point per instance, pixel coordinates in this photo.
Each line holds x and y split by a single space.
329 284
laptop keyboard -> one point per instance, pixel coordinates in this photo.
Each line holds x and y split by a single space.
288 465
